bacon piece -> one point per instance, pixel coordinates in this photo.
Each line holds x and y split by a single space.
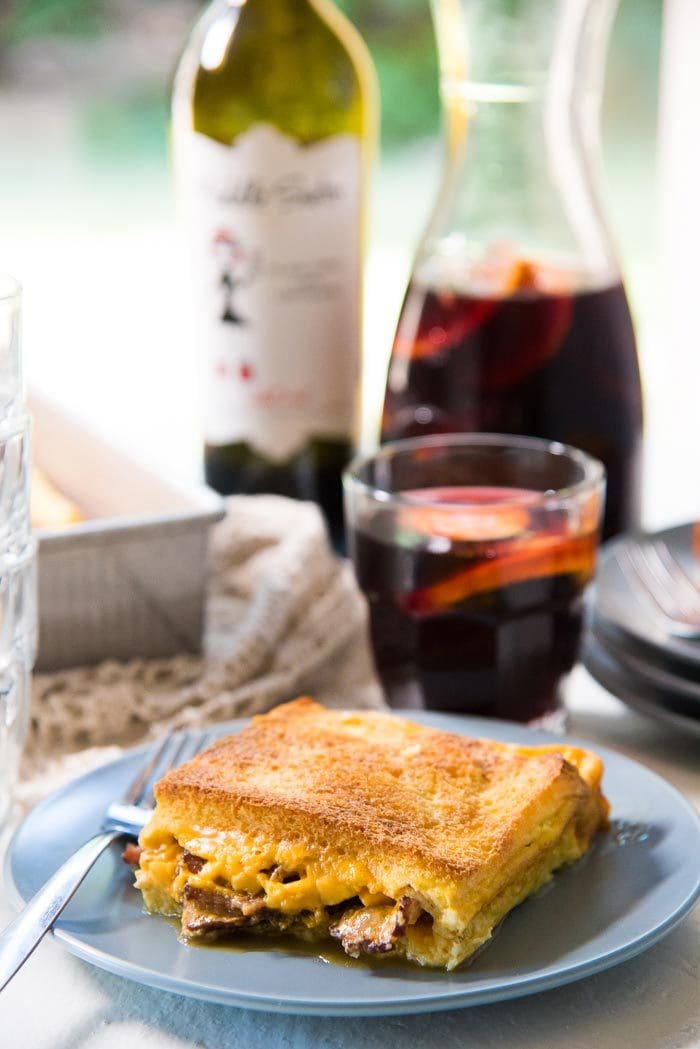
132 854
218 910
194 864
375 930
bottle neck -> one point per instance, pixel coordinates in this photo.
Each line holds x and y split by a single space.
275 13
522 144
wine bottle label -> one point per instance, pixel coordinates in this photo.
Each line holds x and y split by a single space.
275 239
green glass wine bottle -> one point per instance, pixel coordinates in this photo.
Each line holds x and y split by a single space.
274 121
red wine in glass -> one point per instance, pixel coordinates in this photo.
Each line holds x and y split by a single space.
477 611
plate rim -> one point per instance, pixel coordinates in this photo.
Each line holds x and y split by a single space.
436 1000
643 666
632 690
607 553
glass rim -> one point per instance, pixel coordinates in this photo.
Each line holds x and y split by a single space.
10 287
593 470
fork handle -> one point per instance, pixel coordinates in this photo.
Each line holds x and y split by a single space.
23 934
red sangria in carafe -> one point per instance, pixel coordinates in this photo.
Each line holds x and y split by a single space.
516 319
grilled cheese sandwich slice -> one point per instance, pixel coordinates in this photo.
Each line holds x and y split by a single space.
387 836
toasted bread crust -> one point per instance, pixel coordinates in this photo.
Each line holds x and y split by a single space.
374 782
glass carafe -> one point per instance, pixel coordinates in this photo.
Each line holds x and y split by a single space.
516 319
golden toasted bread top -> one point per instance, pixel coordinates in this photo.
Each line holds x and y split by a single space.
381 783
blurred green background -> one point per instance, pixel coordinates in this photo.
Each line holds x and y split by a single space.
90 80
86 203
398 32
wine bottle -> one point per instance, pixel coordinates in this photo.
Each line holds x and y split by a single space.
274 113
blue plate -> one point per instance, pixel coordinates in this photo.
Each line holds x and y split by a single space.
635 885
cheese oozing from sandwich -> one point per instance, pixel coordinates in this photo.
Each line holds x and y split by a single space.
384 835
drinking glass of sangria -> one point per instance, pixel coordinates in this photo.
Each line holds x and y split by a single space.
474 552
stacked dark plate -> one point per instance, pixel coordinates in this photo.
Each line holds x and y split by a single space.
629 647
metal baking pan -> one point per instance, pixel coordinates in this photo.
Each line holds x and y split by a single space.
130 580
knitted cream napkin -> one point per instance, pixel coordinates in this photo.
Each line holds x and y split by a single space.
284 618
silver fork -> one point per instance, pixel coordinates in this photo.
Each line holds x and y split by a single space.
661 582
124 818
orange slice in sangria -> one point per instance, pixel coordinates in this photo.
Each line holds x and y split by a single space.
534 558
496 534
467 515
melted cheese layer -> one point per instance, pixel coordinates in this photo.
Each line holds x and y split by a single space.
245 866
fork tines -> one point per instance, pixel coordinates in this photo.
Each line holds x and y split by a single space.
175 748
659 580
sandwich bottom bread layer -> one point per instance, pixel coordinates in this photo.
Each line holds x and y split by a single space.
388 837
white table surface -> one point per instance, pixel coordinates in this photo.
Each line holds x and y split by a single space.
651 1002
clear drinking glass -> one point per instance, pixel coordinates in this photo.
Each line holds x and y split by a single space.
15 689
473 552
11 390
15 482
18 611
